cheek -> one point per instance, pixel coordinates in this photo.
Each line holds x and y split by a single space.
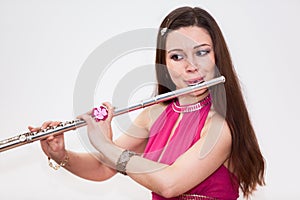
210 73
174 69
174 75
208 66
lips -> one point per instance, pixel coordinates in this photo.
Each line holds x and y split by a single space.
196 81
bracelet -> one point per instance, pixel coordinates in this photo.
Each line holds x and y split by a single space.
123 160
56 166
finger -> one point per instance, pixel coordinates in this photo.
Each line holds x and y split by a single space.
88 119
54 123
46 124
33 129
45 146
90 112
110 110
50 138
56 137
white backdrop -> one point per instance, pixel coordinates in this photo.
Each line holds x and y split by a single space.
43 45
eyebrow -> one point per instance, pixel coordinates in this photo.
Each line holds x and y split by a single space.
195 47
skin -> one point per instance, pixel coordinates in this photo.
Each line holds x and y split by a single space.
190 59
185 48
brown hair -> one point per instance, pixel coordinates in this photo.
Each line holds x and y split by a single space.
246 158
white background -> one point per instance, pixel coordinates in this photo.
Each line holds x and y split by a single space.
43 45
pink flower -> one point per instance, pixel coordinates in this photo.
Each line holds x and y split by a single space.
100 113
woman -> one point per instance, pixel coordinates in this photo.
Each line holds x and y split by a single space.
206 135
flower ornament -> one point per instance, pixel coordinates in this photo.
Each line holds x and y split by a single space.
100 113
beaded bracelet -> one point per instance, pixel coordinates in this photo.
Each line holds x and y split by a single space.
56 166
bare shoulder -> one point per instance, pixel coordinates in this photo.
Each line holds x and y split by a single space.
135 137
216 121
149 115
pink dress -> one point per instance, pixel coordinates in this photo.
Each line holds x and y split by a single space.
220 184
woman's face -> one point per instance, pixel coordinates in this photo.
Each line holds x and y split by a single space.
190 57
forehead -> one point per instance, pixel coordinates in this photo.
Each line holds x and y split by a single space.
187 37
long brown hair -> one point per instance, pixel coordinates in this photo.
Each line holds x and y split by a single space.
245 158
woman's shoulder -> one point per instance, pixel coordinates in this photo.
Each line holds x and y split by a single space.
213 114
149 115
215 121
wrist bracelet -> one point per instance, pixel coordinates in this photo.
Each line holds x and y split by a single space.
56 166
123 160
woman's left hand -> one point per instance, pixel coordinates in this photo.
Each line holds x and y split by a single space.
99 133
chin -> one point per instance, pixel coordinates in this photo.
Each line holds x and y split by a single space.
199 93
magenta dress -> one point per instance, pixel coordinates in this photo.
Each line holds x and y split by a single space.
220 184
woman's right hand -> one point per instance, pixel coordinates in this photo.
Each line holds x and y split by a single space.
53 146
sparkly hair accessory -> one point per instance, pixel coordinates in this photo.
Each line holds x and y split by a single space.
100 113
163 31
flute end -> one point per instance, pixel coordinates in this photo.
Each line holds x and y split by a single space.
223 79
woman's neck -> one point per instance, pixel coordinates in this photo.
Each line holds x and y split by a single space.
191 99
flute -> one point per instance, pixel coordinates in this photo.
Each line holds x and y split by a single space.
29 137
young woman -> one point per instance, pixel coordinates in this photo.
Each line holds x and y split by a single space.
200 146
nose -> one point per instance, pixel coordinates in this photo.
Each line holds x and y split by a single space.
191 66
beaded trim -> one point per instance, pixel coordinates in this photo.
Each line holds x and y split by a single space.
191 107
195 197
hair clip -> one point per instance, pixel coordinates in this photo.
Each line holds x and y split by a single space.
163 31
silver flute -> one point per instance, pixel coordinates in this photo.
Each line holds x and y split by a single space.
29 137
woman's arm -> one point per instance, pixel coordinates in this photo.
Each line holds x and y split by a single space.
87 165
170 181
83 165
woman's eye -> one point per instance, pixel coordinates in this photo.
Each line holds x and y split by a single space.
176 57
202 52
